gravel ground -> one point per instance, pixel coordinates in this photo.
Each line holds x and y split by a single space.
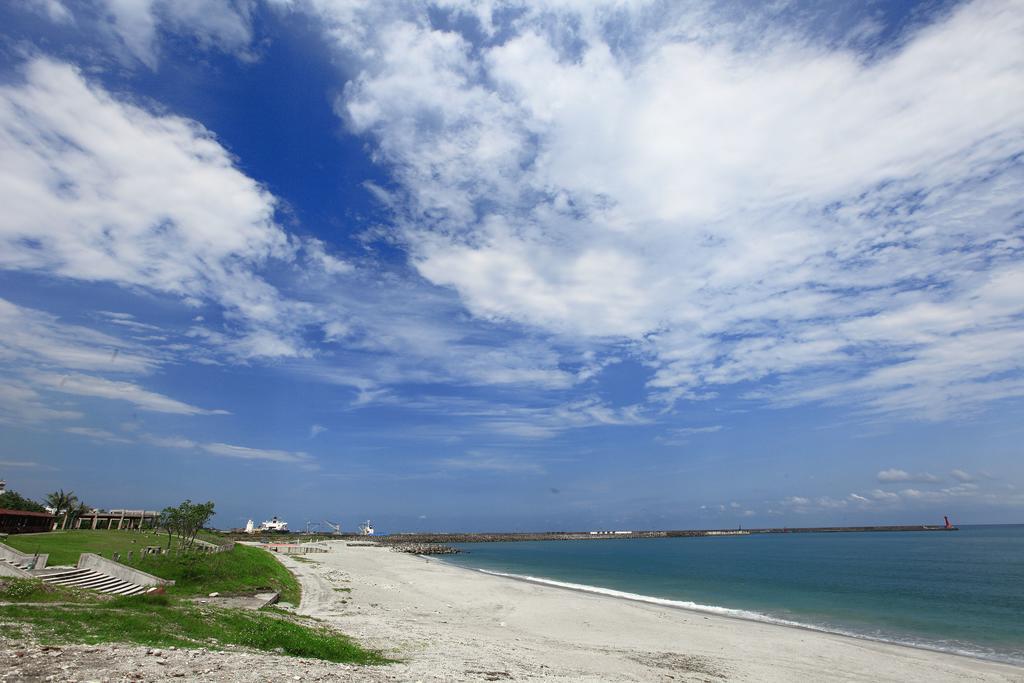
20 661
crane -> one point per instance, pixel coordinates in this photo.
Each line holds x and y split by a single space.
336 527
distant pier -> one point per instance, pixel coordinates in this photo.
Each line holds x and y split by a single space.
609 535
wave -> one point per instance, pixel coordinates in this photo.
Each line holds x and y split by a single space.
949 648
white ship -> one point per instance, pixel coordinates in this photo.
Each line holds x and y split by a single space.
366 529
274 524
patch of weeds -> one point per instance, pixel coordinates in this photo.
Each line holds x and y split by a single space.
13 631
34 590
160 621
240 570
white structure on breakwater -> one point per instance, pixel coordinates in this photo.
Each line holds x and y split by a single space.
366 529
274 524
250 528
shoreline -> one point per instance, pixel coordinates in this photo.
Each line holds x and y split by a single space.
451 622
720 611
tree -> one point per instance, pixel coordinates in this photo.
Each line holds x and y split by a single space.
186 520
12 500
194 517
62 503
77 511
170 521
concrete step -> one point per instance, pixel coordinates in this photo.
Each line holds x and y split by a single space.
96 582
19 565
102 582
67 580
91 579
50 572
81 576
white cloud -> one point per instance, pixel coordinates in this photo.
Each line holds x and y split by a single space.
97 434
491 462
28 336
24 463
711 429
54 10
962 476
681 436
97 189
98 387
957 496
549 421
897 475
21 404
246 453
737 200
826 502
316 251
169 441
960 491
133 26
316 430
226 450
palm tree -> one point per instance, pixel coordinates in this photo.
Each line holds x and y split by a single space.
58 500
78 510
62 503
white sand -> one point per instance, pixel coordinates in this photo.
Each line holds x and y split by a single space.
449 623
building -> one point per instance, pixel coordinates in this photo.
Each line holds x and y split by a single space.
118 519
24 521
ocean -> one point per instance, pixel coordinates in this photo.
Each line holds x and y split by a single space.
959 591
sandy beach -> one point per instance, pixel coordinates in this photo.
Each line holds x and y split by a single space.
453 624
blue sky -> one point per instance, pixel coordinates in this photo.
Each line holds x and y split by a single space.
509 265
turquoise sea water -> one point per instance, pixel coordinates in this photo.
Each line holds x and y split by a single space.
959 591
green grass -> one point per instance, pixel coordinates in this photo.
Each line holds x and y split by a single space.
64 547
242 570
162 621
57 614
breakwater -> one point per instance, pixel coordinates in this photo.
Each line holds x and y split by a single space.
424 548
434 538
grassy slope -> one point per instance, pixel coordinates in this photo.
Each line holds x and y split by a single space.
244 569
164 621
34 590
64 547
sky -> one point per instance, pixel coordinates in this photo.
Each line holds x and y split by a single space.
548 265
